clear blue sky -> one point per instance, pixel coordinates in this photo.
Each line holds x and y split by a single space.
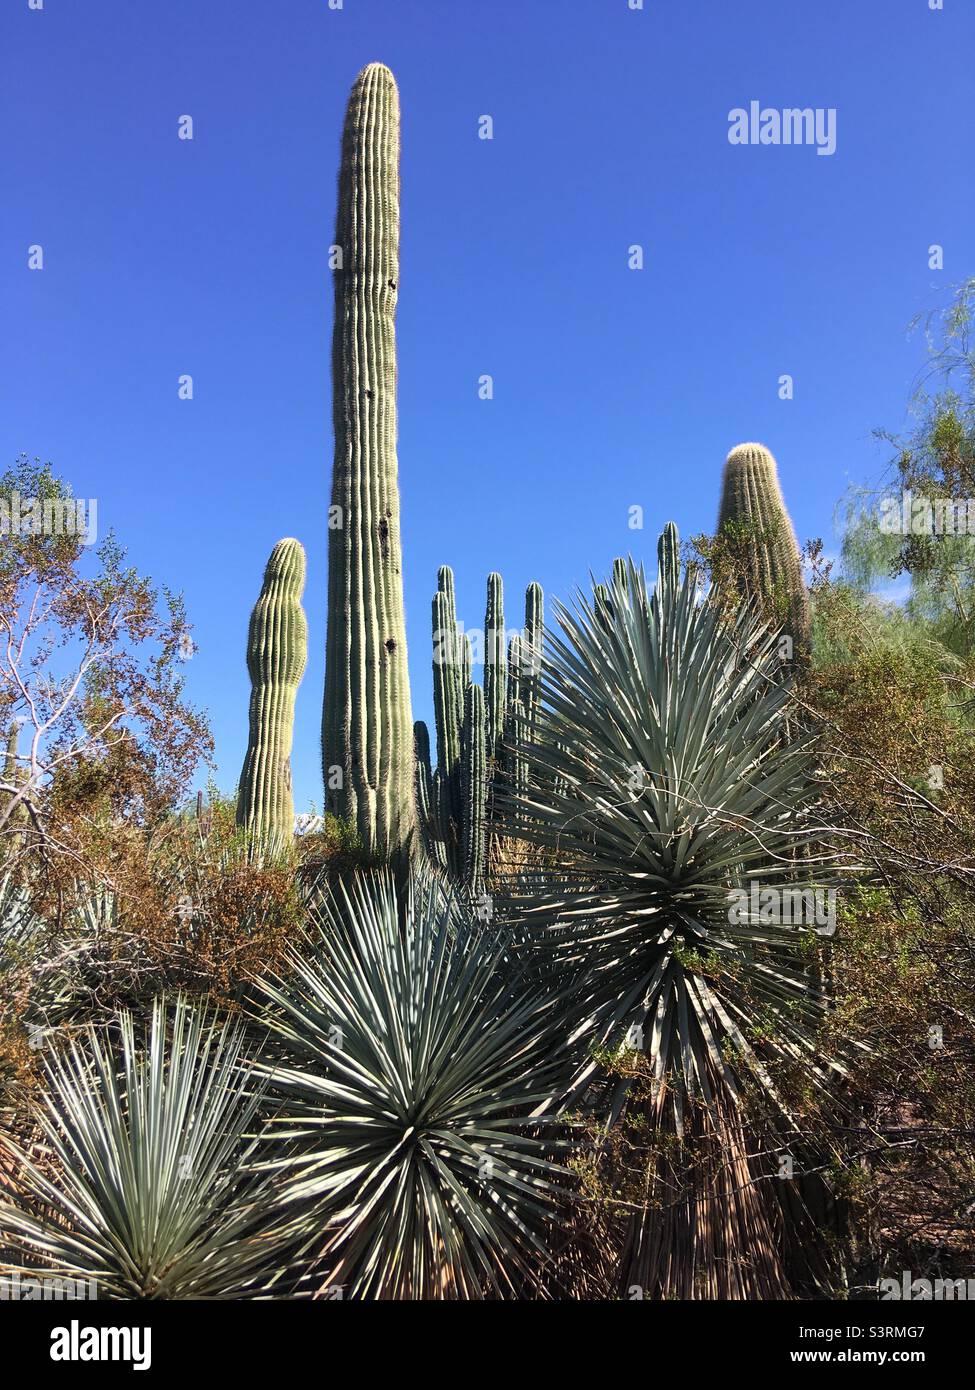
612 387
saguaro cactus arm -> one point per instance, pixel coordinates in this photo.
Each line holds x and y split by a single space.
277 649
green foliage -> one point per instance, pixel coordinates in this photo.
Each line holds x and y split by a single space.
89 673
934 463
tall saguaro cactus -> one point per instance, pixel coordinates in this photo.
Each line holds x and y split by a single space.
751 497
277 649
367 720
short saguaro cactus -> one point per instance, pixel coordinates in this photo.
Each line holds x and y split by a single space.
277 649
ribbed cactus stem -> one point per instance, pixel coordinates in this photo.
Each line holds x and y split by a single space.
474 835
495 664
668 556
421 748
532 653
277 649
513 692
752 497
367 721
445 586
466 661
517 760
447 696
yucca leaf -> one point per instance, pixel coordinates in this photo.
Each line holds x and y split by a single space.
152 1193
410 1062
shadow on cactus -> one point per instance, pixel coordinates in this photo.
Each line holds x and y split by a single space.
660 784
410 1064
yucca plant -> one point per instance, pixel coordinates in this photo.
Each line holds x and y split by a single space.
660 785
147 1189
411 1062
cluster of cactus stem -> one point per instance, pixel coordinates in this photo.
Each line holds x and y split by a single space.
753 512
277 649
367 720
377 765
480 733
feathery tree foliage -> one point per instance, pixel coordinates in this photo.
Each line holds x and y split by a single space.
921 523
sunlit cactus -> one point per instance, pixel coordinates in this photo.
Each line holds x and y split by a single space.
367 720
752 505
277 649
481 733
448 695
532 652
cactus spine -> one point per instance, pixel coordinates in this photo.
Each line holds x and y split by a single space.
277 648
752 498
367 721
